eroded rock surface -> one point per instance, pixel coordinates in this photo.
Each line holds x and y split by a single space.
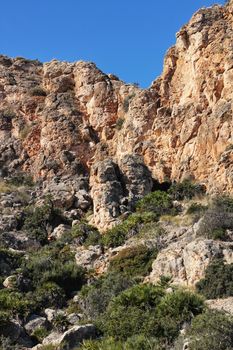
82 130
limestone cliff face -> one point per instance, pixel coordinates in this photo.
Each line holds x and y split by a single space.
91 137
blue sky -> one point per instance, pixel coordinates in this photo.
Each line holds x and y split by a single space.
126 37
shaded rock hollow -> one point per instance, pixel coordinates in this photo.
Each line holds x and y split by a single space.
92 138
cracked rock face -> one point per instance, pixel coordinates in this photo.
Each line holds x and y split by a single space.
60 121
186 263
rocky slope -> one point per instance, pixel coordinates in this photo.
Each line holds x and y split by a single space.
82 154
92 138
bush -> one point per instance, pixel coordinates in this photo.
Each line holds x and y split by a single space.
40 333
129 313
39 221
211 331
131 226
21 180
218 219
84 234
158 202
133 261
175 309
14 303
60 323
138 342
9 261
218 281
148 310
196 208
4 319
69 276
54 264
185 190
38 91
108 286
48 295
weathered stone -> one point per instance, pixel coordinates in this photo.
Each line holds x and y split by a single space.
60 231
88 257
35 322
225 305
186 262
89 123
51 314
71 338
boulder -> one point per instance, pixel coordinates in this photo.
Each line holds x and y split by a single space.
35 322
71 338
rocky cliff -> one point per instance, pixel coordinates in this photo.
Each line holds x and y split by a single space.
93 139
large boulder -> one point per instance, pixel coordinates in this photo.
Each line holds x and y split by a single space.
71 338
34 323
186 262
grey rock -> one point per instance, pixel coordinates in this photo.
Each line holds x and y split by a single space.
71 338
35 322
60 231
73 318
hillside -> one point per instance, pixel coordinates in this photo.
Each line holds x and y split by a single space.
116 215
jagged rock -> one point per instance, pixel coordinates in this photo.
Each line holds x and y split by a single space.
221 304
60 231
51 314
35 322
73 318
52 339
186 262
17 240
71 338
88 257
88 123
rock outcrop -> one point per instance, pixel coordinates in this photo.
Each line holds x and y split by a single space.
91 137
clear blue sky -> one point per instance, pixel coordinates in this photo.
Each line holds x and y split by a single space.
126 37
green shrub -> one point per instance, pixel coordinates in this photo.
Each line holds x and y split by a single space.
9 261
21 180
48 347
60 323
38 91
48 295
158 202
108 286
40 220
148 310
131 226
175 309
218 281
138 342
218 219
54 264
185 190
14 303
40 333
130 312
133 261
4 318
196 208
69 276
114 237
84 234
211 331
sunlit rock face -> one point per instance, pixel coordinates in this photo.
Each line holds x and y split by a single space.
70 122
